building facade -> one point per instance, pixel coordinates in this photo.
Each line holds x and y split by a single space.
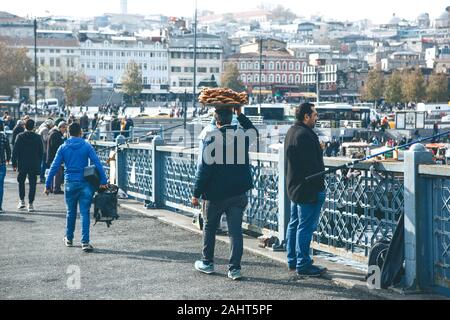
181 60
104 59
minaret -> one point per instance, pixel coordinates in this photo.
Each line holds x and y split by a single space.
123 6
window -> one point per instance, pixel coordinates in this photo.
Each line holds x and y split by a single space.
100 65
41 76
291 78
244 78
256 77
52 50
277 78
291 66
58 62
257 65
249 66
144 80
242 65
100 53
271 78
188 69
52 62
58 51
145 66
284 66
93 53
43 50
214 70
297 79
202 69
42 61
284 78
249 78
117 66
271 65
277 66
297 66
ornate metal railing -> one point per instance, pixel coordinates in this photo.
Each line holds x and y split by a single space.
137 177
104 150
361 206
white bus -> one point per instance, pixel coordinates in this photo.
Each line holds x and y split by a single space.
48 104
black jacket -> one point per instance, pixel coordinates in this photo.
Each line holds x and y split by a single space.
27 152
54 141
219 181
303 157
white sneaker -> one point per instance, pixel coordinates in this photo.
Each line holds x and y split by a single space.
30 207
21 205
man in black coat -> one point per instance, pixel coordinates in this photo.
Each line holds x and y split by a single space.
18 129
303 158
27 157
222 181
55 140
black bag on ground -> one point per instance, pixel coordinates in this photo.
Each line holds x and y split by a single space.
105 205
91 175
389 254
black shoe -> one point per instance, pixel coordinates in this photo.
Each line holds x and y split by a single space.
58 192
311 271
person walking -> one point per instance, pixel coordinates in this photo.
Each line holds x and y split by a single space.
55 140
18 129
44 132
303 157
5 157
75 153
26 159
222 186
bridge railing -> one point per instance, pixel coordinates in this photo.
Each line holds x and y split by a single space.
362 204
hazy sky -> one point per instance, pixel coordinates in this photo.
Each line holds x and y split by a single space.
377 10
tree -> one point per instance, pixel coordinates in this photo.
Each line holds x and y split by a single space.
132 80
413 86
393 91
15 68
231 78
437 89
77 90
280 13
374 88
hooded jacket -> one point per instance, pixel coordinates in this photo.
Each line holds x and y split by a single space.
75 153
27 152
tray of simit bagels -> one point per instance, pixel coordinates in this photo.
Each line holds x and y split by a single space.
222 97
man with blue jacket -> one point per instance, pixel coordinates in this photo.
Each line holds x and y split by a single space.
75 153
223 178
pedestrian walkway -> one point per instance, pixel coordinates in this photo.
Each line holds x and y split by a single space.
138 257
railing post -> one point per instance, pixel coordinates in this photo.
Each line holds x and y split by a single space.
416 204
283 200
157 174
121 165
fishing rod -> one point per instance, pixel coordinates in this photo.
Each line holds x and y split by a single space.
356 161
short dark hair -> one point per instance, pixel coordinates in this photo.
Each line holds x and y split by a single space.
75 129
223 116
29 125
302 110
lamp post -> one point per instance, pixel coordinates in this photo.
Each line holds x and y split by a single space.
35 70
195 59
260 71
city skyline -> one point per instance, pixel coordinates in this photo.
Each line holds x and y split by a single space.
378 11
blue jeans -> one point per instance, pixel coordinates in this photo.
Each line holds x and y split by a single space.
78 193
2 182
302 224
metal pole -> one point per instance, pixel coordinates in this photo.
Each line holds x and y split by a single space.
260 72
317 83
195 59
35 70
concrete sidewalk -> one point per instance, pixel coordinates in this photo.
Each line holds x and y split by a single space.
141 256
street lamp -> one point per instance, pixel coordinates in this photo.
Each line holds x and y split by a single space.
195 59
35 70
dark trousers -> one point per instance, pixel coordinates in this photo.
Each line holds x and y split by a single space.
32 179
212 211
